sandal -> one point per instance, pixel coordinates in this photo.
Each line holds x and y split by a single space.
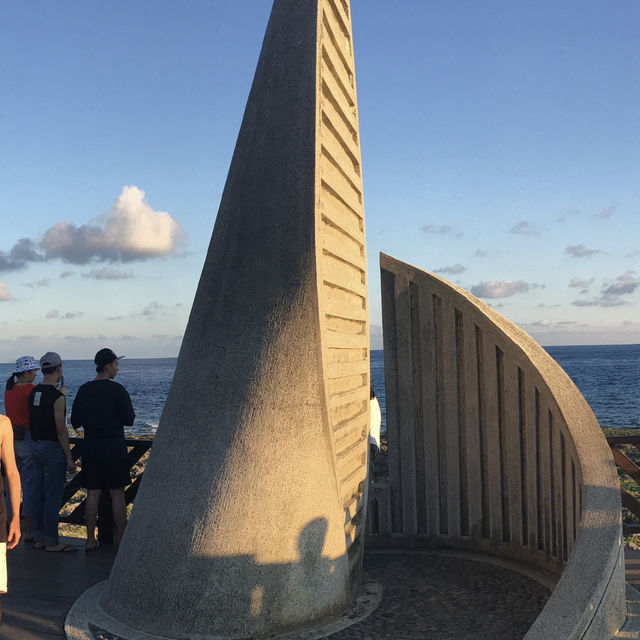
64 548
93 548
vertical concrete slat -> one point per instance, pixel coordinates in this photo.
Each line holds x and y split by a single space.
451 413
406 411
472 429
430 412
569 503
491 418
438 348
390 333
513 452
531 463
558 486
544 447
482 432
418 374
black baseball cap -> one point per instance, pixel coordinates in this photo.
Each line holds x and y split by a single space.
105 356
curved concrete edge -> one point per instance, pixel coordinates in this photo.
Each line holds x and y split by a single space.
586 604
87 620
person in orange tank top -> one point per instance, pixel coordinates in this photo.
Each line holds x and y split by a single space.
16 396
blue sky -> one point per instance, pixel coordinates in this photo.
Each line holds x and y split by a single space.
500 146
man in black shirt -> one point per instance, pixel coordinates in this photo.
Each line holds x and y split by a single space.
102 408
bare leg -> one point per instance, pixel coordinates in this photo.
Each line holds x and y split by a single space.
119 507
91 515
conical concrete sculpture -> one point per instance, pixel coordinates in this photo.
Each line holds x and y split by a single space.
249 519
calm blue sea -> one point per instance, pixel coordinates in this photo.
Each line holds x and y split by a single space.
608 377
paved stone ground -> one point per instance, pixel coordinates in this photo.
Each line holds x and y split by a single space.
425 596
439 597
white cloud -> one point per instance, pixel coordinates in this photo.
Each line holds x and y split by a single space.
45 282
580 251
152 309
579 283
22 252
500 288
605 213
479 253
612 293
525 228
453 270
605 300
437 229
623 285
132 230
4 293
54 314
66 274
106 273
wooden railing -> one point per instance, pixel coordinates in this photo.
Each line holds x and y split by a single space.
72 509
630 468
492 449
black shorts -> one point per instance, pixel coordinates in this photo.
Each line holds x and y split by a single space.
104 464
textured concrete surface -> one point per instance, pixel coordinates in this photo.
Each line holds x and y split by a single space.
249 517
441 597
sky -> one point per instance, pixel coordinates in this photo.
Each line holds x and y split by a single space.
500 144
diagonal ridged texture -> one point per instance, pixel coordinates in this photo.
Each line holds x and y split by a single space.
248 521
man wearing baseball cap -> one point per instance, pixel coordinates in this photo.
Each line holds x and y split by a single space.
51 453
102 407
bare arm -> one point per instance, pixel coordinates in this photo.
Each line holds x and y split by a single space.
13 480
59 407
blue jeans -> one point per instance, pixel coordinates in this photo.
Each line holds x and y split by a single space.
50 475
24 460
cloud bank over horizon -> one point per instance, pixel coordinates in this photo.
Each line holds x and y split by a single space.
612 292
502 288
131 231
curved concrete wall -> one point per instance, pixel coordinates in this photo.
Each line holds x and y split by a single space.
493 449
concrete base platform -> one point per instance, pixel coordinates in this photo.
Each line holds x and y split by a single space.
439 595
427 596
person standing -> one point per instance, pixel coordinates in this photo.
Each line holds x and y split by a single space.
9 536
16 402
102 408
51 453
375 422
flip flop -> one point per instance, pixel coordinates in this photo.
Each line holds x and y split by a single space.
66 548
92 549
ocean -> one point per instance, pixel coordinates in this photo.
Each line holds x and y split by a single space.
608 377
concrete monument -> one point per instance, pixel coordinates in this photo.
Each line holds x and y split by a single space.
249 519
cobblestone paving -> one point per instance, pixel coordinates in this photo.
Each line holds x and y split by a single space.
432 597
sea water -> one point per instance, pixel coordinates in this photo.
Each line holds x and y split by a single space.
608 377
